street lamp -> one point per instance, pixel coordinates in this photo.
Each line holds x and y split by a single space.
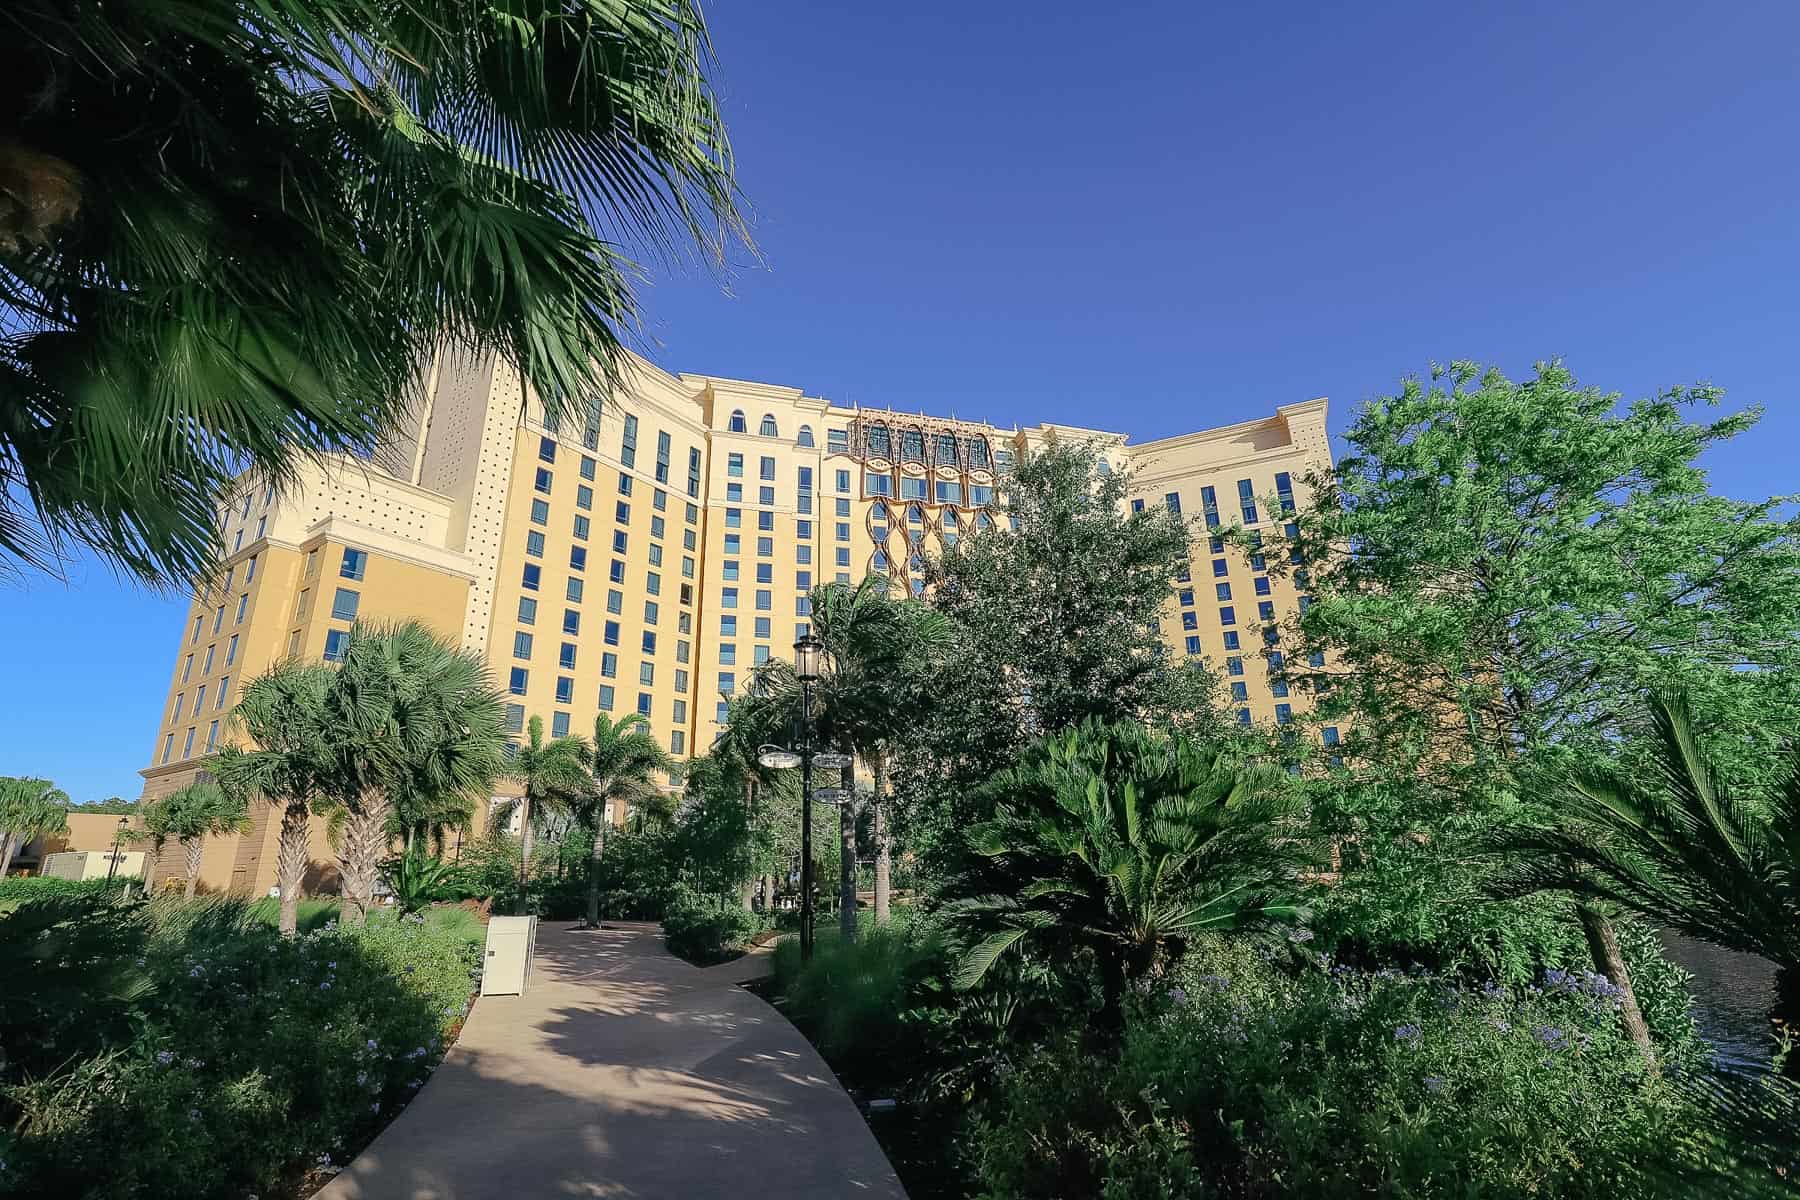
118 838
808 651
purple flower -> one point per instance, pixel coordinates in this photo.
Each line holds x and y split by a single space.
165 1057
1301 935
325 986
1551 1036
1434 1083
371 1044
193 1114
1406 1033
375 1107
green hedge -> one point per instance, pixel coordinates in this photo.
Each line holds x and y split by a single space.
209 1057
703 930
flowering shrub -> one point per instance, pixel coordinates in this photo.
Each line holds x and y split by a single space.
1240 1079
250 1061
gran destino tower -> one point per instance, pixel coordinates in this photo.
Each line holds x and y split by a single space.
644 563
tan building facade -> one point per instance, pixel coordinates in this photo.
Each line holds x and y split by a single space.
646 561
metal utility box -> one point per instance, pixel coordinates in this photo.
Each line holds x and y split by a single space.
511 942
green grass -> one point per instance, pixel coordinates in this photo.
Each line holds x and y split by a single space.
314 914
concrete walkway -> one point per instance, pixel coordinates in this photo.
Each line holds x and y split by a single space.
625 1072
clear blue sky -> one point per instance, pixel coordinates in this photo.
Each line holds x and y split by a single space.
1158 217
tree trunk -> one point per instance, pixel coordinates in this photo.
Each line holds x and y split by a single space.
9 845
1603 944
152 853
524 853
847 855
291 856
593 873
883 863
365 839
195 847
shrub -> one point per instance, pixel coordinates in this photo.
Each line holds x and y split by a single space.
250 1059
19 889
703 930
1239 1079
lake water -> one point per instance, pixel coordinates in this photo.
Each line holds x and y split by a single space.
1733 993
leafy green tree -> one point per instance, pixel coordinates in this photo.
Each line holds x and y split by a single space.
1500 568
1681 847
622 758
553 777
188 816
283 714
232 232
29 809
1053 619
406 714
1121 843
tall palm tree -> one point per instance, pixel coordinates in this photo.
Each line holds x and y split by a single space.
29 809
1121 843
231 233
553 776
283 714
875 646
407 714
1679 848
763 713
622 758
188 816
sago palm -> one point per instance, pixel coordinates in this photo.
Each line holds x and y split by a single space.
552 776
231 233
282 713
1121 843
1681 849
622 758
29 809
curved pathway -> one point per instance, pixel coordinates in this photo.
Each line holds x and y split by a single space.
625 1072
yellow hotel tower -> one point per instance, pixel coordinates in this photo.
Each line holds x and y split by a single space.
647 562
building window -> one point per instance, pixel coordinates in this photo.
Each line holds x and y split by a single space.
1240 691
628 442
578 558
649 645
575 589
515 718
1193 644
644 703
168 747
1284 714
354 564
1247 501
219 619
1265 610
609 665
187 745
737 424
765 521
522 645
1231 639
765 600
540 512
1227 616
534 543
606 697
527 611
734 493
565 657
1284 490
609 633
681 687
1329 735
728 598
230 651
1262 585
250 569
571 622
1278 687
530 577
727 682
565 691
1220 567
949 492
335 642
581 527
543 481
768 427
588 467
1223 590
1172 502
559 723
837 441
765 495
517 681
547 449
1190 620
651 611
662 458
344 605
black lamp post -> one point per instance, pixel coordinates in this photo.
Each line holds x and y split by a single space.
807 653
118 839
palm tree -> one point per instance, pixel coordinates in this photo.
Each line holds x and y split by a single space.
622 757
410 715
283 714
1121 843
876 648
554 776
764 713
233 233
188 816
29 809
1681 849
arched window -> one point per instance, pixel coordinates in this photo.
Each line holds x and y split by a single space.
1105 467
737 422
806 435
768 427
